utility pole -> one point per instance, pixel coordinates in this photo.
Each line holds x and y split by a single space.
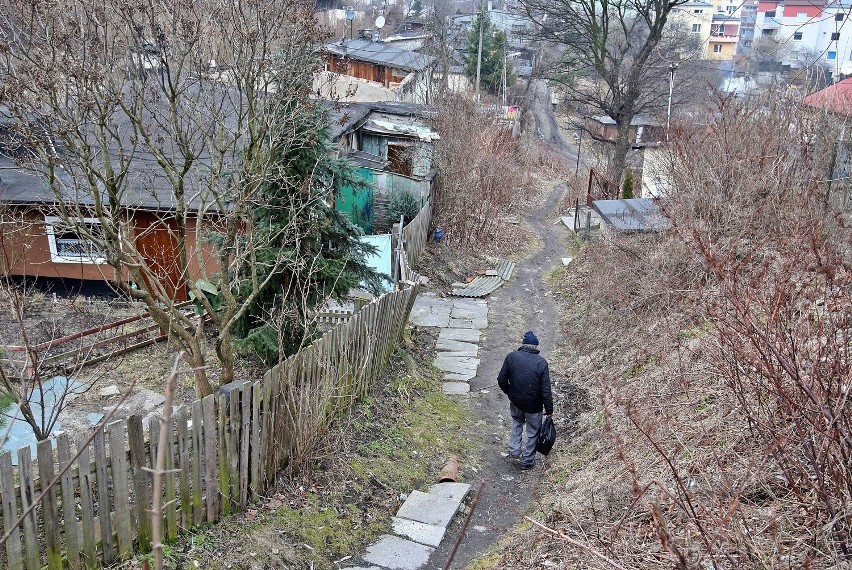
579 150
505 65
672 67
479 52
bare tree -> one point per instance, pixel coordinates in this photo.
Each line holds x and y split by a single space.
156 128
607 57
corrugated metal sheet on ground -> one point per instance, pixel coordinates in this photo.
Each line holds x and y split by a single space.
505 269
482 286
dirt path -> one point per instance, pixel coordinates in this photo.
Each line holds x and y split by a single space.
521 305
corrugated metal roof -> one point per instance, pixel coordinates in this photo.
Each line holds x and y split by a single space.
380 53
482 286
634 215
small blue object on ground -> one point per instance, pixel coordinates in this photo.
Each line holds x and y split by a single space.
439 234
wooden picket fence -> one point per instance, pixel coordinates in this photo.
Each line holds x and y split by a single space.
224 451
416 233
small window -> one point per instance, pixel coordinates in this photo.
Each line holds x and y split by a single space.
720 9
831 55
721 29
717 48
835 36
797 36
732 9
698 11
67 246
696 28
839 17
770 13
801 16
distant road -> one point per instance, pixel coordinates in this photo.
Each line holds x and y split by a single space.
546 128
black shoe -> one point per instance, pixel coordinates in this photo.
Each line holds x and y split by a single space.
527 467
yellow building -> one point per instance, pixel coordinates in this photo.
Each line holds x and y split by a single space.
696 17
724 37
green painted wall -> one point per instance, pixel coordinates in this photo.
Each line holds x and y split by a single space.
357 203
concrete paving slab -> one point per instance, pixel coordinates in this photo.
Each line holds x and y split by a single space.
429 310
429 509
470 312
460 377
428 534
456 364
456 388
456 354
450 491
396 553
457 346
470 303
363 568
466 335
430 318
468 323
567 260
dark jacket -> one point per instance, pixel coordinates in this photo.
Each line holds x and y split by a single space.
525 378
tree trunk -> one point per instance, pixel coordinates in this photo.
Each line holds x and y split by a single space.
202 384
225 354
615 168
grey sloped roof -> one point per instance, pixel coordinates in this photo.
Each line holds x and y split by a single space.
381 54
346 117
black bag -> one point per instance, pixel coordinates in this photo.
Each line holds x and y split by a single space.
546 436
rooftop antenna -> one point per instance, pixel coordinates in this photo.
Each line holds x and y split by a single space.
350 16
380 23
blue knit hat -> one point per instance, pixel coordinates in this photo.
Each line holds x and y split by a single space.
530 338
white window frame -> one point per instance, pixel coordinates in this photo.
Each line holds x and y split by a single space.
696 28
717 48
55 257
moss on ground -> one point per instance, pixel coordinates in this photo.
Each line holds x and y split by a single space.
393 442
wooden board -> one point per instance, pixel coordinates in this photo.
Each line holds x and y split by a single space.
184 444
69 511
121 489
141 481
197 464
87 511
108 546
211 465
14 553
245 432
49 511
31 545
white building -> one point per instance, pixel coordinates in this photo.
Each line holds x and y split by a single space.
808 32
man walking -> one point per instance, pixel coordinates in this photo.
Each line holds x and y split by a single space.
525 378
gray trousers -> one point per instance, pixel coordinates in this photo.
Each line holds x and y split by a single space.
524 448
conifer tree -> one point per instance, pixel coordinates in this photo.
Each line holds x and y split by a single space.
494 48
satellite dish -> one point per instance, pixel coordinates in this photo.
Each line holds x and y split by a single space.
380 22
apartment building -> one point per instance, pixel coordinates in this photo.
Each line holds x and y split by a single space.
808 32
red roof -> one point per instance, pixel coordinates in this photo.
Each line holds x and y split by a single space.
836 98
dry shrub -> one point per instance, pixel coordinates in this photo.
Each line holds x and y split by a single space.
721 357
483 177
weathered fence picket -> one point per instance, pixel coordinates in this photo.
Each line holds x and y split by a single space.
221 453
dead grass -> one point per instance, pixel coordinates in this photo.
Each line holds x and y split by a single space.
395 441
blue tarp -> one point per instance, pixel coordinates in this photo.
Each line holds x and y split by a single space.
381 261
21 434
